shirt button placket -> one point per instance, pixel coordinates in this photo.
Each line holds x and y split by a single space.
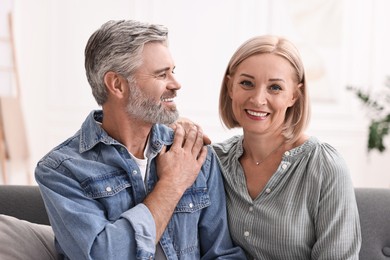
249 218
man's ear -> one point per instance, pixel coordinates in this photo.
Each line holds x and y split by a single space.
116 85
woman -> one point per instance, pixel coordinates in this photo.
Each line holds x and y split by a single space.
289 195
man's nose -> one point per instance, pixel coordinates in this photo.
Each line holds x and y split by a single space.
173 83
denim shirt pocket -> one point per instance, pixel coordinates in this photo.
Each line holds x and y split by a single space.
183 227
110 189
193 199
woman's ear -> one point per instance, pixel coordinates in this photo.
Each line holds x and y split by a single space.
229 85
116 85
296 94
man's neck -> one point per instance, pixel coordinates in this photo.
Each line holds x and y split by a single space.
130 132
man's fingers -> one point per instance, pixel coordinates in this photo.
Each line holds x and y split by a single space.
191 141
163 149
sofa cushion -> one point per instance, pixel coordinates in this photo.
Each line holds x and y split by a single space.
20 239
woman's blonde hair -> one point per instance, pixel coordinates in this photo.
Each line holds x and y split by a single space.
297 116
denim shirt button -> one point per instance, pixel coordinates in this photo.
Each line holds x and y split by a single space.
191 205
135 172
108 189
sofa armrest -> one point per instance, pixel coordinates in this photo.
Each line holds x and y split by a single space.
23 202
374 213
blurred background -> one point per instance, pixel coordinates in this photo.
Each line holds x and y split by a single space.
45 96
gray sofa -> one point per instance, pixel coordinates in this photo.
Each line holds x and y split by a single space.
25 203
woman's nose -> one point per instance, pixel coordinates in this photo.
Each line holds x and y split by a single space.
259 96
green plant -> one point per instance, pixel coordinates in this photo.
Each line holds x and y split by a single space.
378 106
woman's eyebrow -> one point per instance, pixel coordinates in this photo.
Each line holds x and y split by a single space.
247 75
276 79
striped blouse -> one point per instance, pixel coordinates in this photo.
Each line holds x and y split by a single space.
307 210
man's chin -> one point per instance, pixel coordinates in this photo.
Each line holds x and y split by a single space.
164 118
168 118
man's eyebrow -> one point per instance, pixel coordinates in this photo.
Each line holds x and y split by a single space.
163 70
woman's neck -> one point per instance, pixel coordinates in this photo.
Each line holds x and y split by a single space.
259 148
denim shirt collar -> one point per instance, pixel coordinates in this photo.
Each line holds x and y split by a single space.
91 133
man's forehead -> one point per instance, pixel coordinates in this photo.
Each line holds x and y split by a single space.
156 58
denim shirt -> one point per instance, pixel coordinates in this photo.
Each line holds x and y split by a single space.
93 192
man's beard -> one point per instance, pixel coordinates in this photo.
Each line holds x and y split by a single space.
146 109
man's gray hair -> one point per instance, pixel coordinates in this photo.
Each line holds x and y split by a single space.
117 46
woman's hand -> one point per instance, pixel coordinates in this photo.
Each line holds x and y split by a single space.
187 125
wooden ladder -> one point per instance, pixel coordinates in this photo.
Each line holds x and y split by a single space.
13 139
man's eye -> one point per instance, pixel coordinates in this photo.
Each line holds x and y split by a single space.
162 75
246 83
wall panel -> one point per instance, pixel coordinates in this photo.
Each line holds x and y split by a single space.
343 42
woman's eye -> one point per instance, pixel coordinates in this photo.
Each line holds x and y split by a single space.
275 87
246 83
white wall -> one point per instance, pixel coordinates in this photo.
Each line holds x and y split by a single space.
342 41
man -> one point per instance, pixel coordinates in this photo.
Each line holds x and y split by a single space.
122 187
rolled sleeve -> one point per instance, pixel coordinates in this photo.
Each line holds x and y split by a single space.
144 227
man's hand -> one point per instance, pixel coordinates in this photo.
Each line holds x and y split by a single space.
181 164
177 170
